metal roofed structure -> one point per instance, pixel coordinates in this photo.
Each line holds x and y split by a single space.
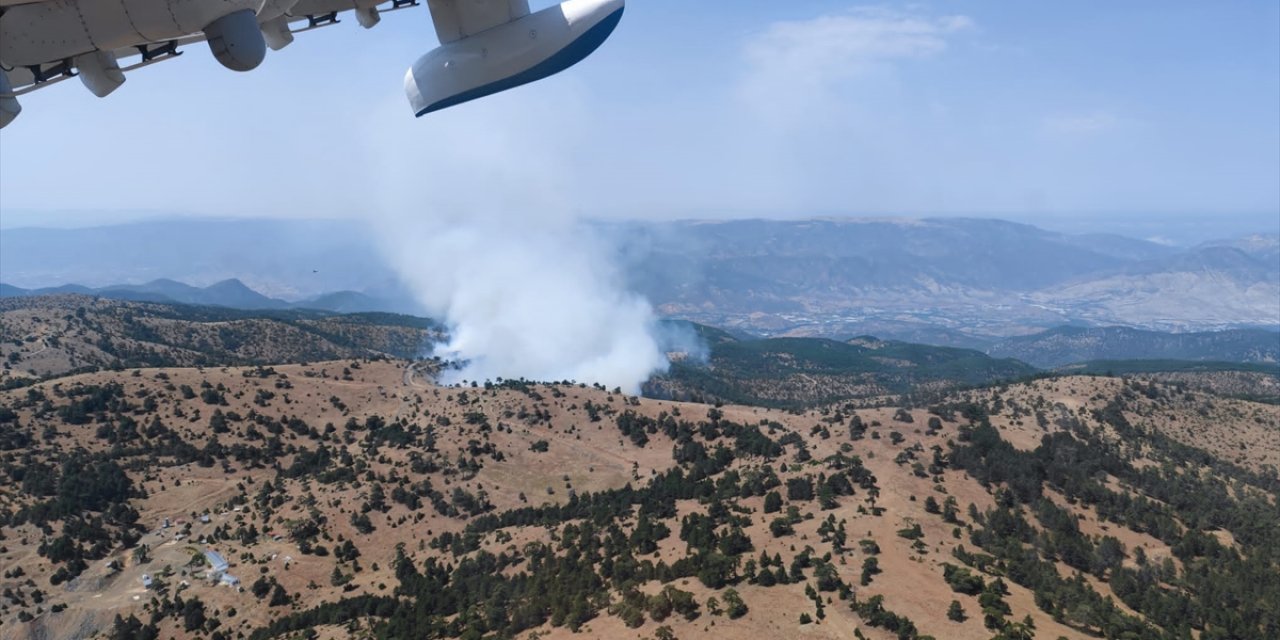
217 563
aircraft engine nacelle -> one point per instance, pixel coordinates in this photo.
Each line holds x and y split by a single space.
507 56
236 40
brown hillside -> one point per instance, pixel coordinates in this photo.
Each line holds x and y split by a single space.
417 469
55 335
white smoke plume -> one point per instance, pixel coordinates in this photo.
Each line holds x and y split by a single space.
476 215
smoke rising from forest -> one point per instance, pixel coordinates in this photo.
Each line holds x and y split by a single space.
482 230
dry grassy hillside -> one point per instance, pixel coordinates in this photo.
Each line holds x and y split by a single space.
1244 384
55 335
355 498
1231 430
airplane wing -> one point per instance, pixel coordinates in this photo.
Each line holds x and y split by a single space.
486 45
457 19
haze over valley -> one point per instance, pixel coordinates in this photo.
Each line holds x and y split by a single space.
960 282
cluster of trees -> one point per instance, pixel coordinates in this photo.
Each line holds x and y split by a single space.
596 565
1221 592
633 606
89 494
873 612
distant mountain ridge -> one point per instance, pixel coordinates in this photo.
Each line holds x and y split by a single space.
230 293
1054 347
984 278
58 333
957 281
1069 345
1261 246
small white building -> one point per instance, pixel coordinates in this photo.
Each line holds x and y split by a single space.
230 580
146 581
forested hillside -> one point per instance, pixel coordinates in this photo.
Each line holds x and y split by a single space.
803 372
357 498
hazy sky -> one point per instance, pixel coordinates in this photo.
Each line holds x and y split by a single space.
701 109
